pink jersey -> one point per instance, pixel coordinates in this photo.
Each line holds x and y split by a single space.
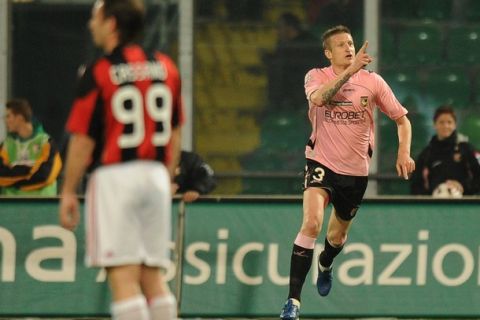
343 133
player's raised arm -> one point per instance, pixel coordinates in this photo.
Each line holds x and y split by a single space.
340 51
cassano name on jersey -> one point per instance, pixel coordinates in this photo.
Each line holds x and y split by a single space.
139 71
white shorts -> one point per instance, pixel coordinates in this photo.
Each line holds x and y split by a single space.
128 215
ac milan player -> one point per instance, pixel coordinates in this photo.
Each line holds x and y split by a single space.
341 101
125 122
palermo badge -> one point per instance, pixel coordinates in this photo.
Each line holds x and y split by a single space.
364 101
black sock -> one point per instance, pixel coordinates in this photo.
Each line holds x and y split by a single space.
300 264
328 254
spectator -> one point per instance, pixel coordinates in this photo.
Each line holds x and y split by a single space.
297 50
448 158
29 160
193 177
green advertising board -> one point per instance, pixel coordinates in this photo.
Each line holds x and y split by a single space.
403 258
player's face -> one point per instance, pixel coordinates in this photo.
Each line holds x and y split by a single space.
98 25
11 121
341 50
445 125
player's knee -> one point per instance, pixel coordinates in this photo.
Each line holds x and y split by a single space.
337 239
311 227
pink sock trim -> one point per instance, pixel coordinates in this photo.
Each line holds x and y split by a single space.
304 241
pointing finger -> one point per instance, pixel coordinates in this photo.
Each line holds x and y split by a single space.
364 47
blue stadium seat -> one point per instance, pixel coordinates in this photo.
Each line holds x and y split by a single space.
420 44
463 46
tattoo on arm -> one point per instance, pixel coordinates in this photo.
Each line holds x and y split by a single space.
327 95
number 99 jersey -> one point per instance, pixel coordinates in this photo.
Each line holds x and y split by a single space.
129 102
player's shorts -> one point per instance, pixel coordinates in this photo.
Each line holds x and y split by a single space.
128 215
346 192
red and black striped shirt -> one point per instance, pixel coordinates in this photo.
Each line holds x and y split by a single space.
129 102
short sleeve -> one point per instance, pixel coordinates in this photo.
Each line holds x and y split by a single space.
84 105
313 81
386 100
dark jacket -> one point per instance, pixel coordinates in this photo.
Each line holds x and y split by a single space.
449 159
194 174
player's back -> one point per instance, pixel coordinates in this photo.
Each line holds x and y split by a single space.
132 102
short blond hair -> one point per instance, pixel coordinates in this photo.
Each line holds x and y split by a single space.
333 31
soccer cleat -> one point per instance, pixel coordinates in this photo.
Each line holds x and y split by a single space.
291 310
324 281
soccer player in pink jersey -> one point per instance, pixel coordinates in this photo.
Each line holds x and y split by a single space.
125 123
341 101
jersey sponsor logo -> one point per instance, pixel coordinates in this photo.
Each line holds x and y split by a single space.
345 117
364 101
336 103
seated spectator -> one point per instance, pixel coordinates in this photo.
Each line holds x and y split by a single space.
193 177
29 160
447 167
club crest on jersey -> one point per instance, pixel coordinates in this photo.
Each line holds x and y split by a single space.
364 101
